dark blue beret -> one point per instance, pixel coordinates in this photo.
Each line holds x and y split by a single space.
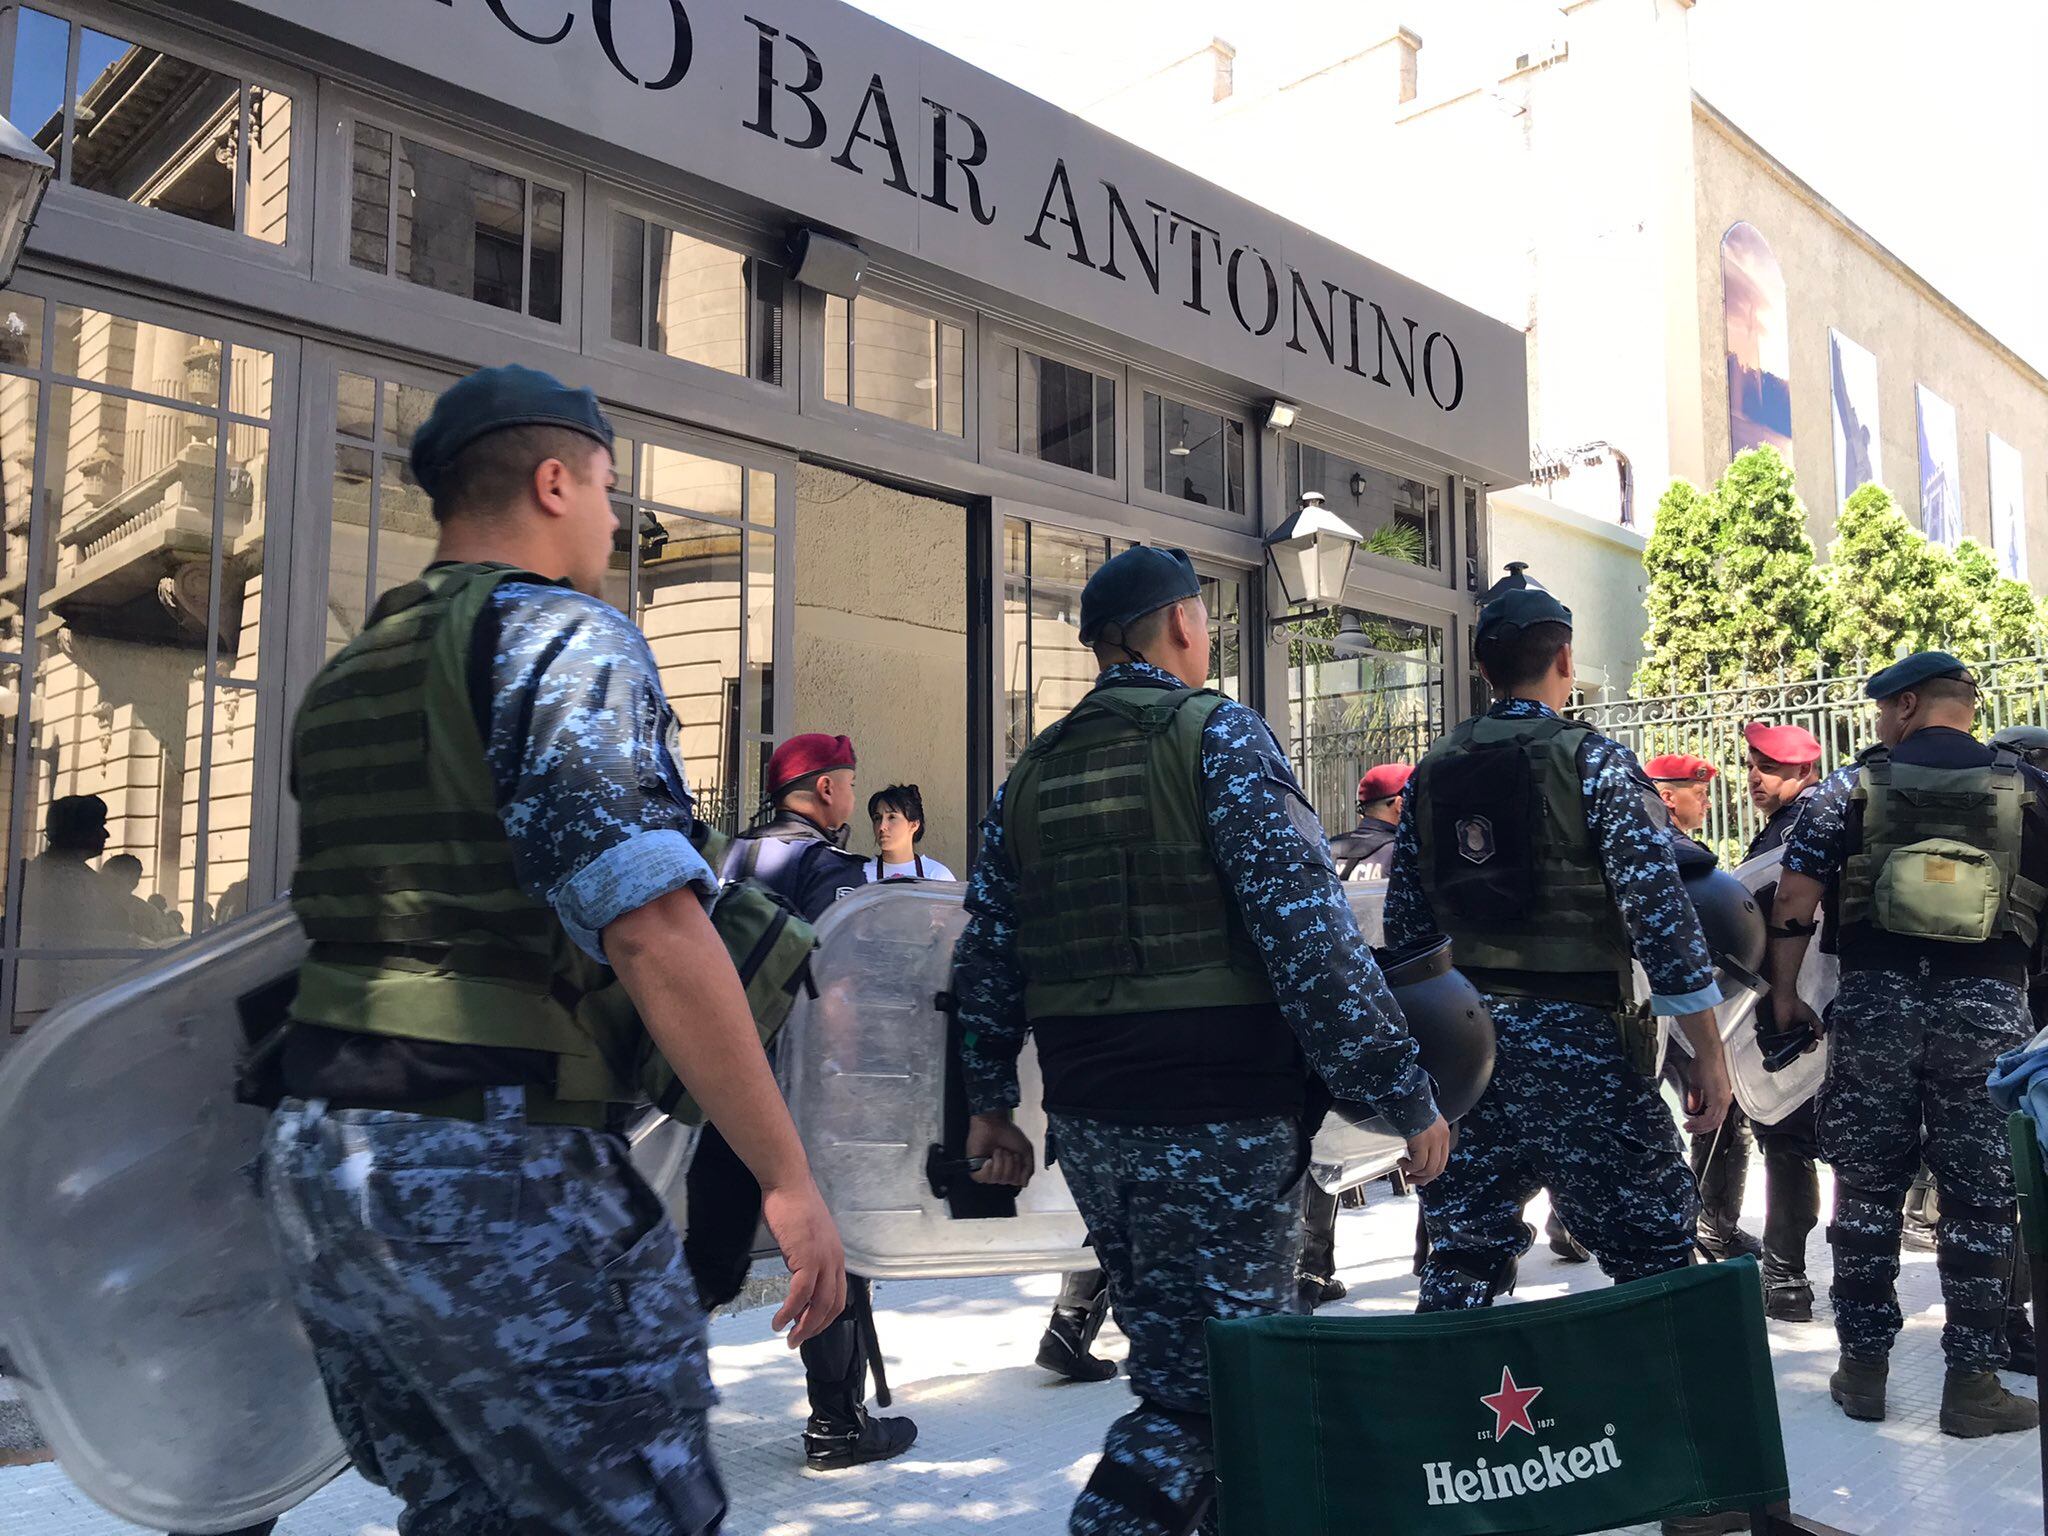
495 398
1518 608
1915 670
1133 584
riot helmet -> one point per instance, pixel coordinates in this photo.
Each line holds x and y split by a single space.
1448 1019
1730 917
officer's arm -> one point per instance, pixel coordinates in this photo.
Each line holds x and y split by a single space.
1642 875
1814 849
988 983
1409 917
1273 856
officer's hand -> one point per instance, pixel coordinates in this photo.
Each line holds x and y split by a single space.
1011 1159
1708 1093
809 1241
1428 1150
1795 1015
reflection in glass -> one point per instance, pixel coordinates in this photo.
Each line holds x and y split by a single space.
42 49
1384 703
230 806
103 348
355 409
695 300
689 607
1056 412
406 532
689 482
1223 596
1401 519
19 399
348 552
1194 455
903 365
1046 669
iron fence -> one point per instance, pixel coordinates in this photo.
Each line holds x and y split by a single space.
1708 724
1331 762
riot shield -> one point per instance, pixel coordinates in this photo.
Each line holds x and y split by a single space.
145 1317
1768 1097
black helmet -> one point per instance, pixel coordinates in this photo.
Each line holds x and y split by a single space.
1733 922
1448 1019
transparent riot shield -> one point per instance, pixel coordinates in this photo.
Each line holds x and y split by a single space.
1768 1097
1349 1152
144 1315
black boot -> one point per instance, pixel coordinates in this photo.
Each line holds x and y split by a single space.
841 1432
1788 1297
1562 1243
1076 1319
1720 1161
1791 1211
1318 1272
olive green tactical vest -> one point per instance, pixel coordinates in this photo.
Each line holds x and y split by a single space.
1120 908
405 881
1573 927
1937 841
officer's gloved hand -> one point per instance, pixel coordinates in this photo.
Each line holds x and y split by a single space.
1798 1031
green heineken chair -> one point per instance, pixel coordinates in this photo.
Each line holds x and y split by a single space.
1549 1418
2033 1186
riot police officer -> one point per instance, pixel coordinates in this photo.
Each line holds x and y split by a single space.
1155 902
1931 853
1784 771
1366 852
799 853
490 815
1545 912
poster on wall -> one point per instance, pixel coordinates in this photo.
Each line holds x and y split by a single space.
1759 345
1853 375
2008 509
1941 469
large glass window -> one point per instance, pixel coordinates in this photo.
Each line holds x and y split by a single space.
695 300
1194 455
454 224
153 129
1055 412
383 529
130 617
896 362
1367 689
1401 519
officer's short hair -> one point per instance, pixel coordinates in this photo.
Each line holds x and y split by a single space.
494 472
905 801
1946 690
1521 655
1116 639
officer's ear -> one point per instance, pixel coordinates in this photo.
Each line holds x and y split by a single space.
1562 665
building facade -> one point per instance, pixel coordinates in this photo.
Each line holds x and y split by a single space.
280 228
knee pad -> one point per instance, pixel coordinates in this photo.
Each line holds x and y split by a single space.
1894 1202
1125 1487
1963 1210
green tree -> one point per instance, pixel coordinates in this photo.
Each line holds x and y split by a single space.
1684 594
2007 615
1779 605
1893 592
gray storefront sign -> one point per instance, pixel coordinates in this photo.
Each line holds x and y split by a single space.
813 107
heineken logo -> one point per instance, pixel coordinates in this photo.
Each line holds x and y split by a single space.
1547 1467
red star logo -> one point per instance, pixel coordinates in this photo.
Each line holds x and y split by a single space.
1510 1406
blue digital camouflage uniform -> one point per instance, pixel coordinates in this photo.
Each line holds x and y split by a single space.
1198 1221
1564 1109
1908 1052
508 1333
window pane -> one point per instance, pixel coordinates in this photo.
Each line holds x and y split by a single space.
903 369
42 48
10 725
549 215
698 301
461 226
689 608
1224 598
1386 704
1399 517
156 130
690 483
836 333
761 628
355 412
230 794
405 526
1008 399
251 374
761 497
952 380
19 399
1105 428
348 552
629 279
406 409
369 239
21 331
1233 463
267 199
1154 472
1192 464
764 321
1066 415
1046 668
243 509
103 348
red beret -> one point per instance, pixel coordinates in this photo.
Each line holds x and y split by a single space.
1679 768
1786 744
1384 782
806 756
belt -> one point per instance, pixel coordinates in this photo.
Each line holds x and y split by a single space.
542 1108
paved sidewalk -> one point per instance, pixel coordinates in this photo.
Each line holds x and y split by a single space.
1003 1447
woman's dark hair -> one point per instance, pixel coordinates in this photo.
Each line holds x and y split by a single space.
905 801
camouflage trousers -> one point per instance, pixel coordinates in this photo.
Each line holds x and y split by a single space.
1190 1222
1563 1112
1907 1057
507 1333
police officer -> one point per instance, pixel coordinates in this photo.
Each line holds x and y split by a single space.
1155 902
1784 771
1366 852
1931 852
491 814
799 853
1720 1157
1545 914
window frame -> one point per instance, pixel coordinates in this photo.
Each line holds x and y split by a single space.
1448 577
902 295
1245 519
998 334
126 221
340 111
603 204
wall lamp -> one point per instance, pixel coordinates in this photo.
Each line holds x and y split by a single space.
1311 555
1280 415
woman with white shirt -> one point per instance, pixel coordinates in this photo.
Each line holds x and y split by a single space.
898 815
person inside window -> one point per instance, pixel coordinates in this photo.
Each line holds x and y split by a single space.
898 815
